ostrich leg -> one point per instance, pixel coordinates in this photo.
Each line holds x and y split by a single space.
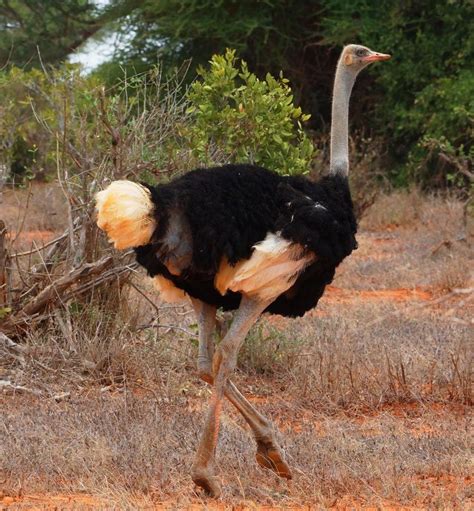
269 454
224 363
206 319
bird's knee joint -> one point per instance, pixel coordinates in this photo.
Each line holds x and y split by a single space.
227 353
266 435
204 370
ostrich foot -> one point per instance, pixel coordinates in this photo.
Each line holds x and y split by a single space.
269 456
205 479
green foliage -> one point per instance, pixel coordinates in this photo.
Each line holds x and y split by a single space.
176 30
431 40
419 104
34 33
23 160
61 118
248 119
444 117
49 28
35 107
445 107
63 121
4 311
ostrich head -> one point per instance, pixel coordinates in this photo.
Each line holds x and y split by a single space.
356 57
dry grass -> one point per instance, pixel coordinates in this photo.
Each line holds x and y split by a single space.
410 240
372 392
371 356
128 448
412 208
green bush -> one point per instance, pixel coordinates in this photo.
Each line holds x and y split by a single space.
248 119
443 117
60 119
35 109
140 127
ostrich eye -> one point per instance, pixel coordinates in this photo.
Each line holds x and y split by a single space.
360 52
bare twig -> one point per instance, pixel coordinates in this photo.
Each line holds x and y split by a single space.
52 292
3 265
22 222
46 245
169 327
151 302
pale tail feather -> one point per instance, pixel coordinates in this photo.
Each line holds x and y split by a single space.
125 213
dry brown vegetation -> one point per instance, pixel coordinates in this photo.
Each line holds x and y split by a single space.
101 406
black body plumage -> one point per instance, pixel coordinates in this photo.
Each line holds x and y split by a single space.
229 209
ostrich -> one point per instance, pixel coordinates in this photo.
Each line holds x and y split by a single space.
242 238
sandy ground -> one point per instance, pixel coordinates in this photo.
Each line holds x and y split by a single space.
414 420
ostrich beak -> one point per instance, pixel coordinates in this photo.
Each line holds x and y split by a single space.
375 57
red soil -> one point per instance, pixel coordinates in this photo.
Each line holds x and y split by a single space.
76 501
38 502
339 295
369 424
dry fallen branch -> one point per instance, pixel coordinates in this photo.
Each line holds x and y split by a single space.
112 274
6 385
53 292
7 343
12 350
76 282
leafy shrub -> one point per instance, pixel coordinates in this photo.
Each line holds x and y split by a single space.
444 118
246 118
140 126
34 108
61 118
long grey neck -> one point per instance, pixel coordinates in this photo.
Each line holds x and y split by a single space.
343 83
